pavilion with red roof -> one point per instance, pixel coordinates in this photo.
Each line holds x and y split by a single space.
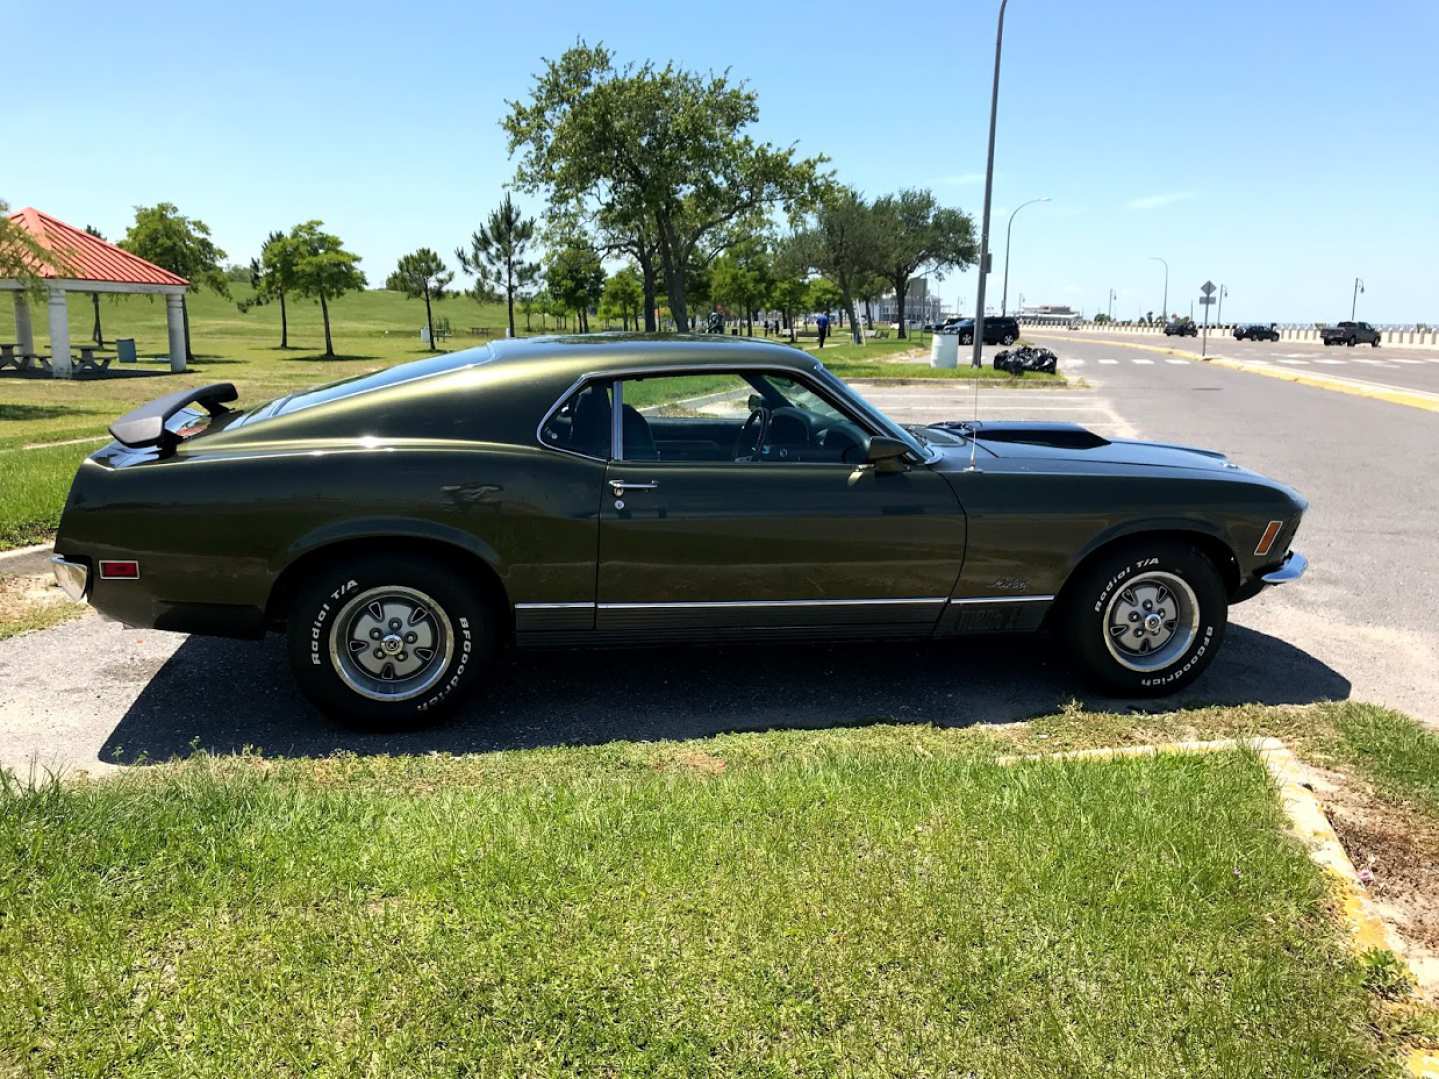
76 261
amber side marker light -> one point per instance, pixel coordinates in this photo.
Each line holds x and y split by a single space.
119 571
1266 541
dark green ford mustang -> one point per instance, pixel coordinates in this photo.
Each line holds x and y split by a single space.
402 526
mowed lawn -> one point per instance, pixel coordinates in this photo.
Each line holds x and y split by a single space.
371 330
885 900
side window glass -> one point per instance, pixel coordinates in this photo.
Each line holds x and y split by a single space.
700 417
582 423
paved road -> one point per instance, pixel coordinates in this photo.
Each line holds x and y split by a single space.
1361 623
1371 472
1406 368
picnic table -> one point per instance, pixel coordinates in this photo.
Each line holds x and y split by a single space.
20 361
91 360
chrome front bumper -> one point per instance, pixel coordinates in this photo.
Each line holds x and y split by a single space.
1291 569
72 577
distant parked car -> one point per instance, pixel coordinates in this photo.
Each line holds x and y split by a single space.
1256 331
997 330
1350 333
1181 327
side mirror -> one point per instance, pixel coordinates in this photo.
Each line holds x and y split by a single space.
885 453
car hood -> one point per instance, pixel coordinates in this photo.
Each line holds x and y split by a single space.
1019 442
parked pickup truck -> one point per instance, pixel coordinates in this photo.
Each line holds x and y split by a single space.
1350 333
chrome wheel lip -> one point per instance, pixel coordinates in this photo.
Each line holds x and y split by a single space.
1174 641
365 683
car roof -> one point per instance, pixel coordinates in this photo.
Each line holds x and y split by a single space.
596 352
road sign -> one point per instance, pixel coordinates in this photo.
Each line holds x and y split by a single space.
1207 288
1207 300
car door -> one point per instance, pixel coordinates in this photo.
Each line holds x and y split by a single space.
700 530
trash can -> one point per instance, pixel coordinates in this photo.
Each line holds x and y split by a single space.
125 349
944 350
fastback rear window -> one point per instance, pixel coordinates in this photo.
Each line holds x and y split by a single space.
390 376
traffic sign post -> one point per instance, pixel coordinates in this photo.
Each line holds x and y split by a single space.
1205 300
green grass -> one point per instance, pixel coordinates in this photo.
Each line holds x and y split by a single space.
1397 755
33 485
876 901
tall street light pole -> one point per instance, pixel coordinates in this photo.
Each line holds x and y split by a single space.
1111 305
1354 303
1163 307
1219 315
977 359
1008 232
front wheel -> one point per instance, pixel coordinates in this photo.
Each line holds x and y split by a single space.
389 640
1147 619
1007 339
966 339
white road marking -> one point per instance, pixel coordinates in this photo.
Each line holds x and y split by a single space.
1333 363
1398 359
1143 362
1177 363
1072 363
1108 362
1370 363
1296 363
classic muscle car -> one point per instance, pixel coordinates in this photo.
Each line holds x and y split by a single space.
402 526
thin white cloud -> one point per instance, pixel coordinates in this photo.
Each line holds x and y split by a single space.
1154 202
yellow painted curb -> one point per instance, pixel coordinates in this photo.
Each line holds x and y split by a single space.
1309 824
1376 391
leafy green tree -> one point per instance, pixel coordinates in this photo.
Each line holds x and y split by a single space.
497 254
182 245
916 233
623 296
742 280
324 270
272 276
824 295
422 275
97 332
789 296
576 279
664 144
842 243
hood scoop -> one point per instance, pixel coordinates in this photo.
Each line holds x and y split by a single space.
1063 436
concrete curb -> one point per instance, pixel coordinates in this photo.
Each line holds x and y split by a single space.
1355 387
26 561
1310 825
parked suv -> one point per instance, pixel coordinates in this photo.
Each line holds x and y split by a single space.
1181 327
997 330
1351 334
1256 331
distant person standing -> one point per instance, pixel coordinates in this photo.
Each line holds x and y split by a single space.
822 324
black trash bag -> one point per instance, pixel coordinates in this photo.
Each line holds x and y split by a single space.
1027 358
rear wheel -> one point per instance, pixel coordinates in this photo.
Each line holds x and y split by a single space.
389 640
1007 339
1148 618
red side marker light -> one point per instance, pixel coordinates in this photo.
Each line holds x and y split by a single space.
1266 541
119 571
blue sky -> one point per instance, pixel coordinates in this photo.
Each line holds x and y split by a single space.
1280 147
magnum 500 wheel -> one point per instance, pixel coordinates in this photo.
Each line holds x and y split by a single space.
388 640
1148 618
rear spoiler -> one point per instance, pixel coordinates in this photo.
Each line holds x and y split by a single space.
145 426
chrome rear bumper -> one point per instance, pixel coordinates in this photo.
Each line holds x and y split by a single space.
1291 569
72 577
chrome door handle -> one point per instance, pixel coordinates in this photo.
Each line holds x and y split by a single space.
619 487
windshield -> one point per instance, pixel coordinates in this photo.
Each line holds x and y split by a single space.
910 438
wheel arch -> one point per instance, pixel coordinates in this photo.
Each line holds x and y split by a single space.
469 558
1216 549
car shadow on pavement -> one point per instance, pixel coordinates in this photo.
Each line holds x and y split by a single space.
222 696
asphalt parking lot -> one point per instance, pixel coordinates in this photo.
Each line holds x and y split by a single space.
90 694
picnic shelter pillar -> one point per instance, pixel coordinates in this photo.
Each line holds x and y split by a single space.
175 323
59 333
24 330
